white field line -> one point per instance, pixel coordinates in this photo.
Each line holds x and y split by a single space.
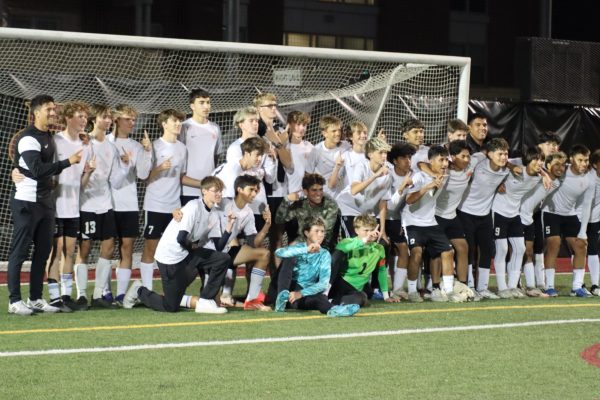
159 346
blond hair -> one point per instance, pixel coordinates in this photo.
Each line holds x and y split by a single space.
364 220
329 120
263 98
69 109
376 144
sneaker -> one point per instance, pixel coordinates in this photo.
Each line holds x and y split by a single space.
101 302
131 296
377 295
587 291
343 310
58 303
518 293
19 308
108 297
581 292
595 290
69 302
119 300
415 297
551 292
426 294
438 295
535 292
401 294
227 300
454 297
204 306
282 299
256 304
486 294
261 297
41 305
505 294
476 295
83 304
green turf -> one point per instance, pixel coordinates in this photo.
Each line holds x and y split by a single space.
517 363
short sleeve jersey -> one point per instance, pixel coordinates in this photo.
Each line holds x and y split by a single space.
69 180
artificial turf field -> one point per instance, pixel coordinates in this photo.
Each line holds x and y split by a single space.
484 350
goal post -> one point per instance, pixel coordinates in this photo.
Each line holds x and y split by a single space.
381 89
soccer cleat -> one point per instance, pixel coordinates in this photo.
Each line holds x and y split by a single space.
68 301
415 297
505 294
108 297
256 304
581 292
551 292
476 295
535 292
426 294
204 306
401 294
131 297
119 300
343 310
377 295
282 299
19 308
486 294
41 305
587 291
439 296
58 303
518 293
101 302
595 290
83 304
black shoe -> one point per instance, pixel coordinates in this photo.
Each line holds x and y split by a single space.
82 303
58 303
102 303
68 301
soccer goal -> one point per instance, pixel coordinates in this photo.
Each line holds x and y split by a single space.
152 74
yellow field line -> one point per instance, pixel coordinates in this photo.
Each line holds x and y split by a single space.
298 318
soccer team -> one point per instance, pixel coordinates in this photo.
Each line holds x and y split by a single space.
349 206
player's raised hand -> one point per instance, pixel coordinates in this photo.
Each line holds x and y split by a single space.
75 157
165 165
146 142
381 134
90 165
313 248
124 156
177 214
266 214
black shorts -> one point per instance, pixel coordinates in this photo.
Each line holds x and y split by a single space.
538 241
155 224
233 252
593 234
128 224
560 225
505 227
452 228
431 237
66 227
395 231
348 226
529 232
186 199
97 226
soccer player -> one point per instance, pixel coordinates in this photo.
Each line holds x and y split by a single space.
299 148
457 130
560 220
32 206
305 273
532 226
202 138
422 230
593 229
347 162
507 223
354 260
548 142
478 132
125 198
474 210
413 132
180 255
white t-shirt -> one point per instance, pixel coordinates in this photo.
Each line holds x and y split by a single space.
595 212
422 212
367 201
228 173
564 201
300 153
197 221
162 194
398 200
267 169
244 223
421 155
453 191
478 197
352 160
139 166
322 161
508 203
532 201
203 143
69 180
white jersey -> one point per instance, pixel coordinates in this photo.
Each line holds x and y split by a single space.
110 172
322 161
421 155
478 197
197 220
564 201
243 224
139 166
367 201
422 212
453 190
300 153
203 143
595 204
162 194
229 171
69 180
352 160
397 200
508 203
532 201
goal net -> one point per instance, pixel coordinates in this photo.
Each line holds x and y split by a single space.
153 74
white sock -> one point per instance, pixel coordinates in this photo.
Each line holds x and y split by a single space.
500 263
448 283
429 285
147 272
123 277
578 274
81 279
66 284
103 270
540 276
516 260
53 290
185 301
412 286
399 278
529 275
470 279
108 284
513 279
256 277
483 279
549 278
594 266
228 286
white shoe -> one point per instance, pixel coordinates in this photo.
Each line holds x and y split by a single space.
486 294
518 293
505 294
41 305
595 290
131 297
438 295
476 295
204 306
19 308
